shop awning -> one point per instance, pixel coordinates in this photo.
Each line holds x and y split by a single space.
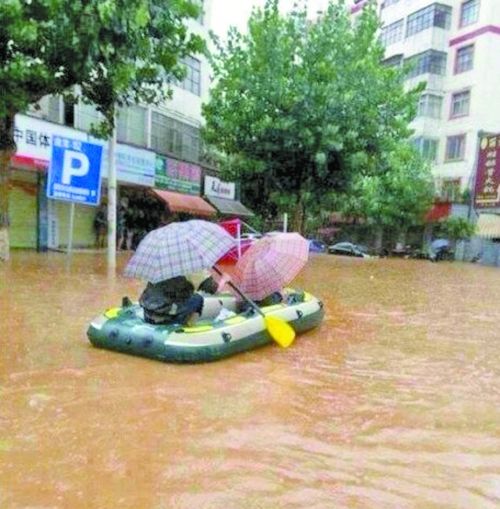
230 207
488 226
178 202
438 211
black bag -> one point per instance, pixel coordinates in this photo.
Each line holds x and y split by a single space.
161 301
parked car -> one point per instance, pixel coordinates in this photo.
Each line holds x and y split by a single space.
349 249
251 236
316 246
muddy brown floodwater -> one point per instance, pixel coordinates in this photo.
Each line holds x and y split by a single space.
393 403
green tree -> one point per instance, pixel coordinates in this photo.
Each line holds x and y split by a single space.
302 108
116 51
456 228
396 198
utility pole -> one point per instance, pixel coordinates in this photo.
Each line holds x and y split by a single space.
112 200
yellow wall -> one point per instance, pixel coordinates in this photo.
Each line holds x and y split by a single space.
22 209
83 232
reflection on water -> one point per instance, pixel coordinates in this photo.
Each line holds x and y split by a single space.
393 403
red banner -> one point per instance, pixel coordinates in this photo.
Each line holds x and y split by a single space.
487 192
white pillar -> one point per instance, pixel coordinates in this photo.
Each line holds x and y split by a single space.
112 201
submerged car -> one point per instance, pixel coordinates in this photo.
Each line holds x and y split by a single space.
316 246
349 249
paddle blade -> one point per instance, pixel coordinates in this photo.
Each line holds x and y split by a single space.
280 331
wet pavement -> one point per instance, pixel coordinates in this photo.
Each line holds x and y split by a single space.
394 402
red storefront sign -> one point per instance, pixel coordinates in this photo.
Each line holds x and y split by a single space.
487 191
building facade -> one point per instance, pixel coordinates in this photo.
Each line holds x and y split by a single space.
159 150
454 47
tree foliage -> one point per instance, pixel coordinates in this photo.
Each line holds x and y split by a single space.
398 197
301 110
456 228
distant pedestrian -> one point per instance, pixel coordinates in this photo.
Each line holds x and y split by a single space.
100 226
120 228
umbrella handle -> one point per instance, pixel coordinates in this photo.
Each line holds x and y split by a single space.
281 331
240 293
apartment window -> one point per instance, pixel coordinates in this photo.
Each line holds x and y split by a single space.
192 81
430 105
431 61
427 147
394 61
450 189
392 33
170 136
48 108
464 60
437 15
469 12
69 112
88 116
455 147
460 103
131 125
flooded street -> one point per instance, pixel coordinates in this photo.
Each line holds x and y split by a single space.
394 402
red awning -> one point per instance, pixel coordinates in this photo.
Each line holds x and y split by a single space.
178 202
438 211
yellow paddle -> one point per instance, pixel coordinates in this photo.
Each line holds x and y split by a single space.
277 328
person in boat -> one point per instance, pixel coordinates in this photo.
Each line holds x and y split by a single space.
179 299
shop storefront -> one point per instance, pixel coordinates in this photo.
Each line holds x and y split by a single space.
222 195
178 185
152 189
37 222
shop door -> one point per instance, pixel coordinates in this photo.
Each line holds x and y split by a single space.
23 209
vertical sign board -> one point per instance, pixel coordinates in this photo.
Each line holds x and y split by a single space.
75 171
487 189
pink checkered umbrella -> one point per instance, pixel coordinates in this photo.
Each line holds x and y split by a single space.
179 249
271 263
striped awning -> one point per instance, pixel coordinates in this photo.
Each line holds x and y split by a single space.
488 226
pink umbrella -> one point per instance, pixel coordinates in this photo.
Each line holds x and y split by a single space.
271 263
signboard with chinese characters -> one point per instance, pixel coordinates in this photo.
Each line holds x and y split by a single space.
34 147
34 140
219 189
75 171
133 165
487 191
177 175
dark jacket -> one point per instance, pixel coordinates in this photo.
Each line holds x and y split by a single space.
163 301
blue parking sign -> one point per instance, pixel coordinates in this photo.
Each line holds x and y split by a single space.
75 171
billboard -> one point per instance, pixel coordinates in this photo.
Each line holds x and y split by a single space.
487 188
177 176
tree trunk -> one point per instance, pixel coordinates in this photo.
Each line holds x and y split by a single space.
7 150
4 204
379 238
298 217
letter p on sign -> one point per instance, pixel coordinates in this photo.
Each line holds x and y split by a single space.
75 164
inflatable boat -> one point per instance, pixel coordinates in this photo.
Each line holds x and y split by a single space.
215 336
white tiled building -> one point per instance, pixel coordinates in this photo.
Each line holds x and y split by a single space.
454 46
